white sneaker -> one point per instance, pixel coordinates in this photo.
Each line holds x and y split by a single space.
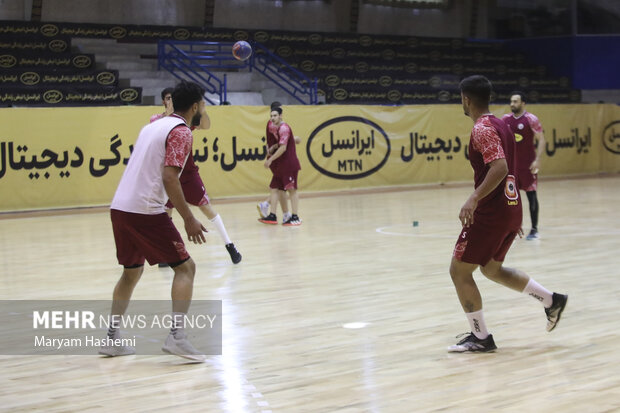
110 349
534 234
263 209
180 346
286 217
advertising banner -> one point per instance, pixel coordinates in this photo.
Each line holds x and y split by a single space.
74 157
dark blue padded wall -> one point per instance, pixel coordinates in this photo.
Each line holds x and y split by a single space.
592 62
596 62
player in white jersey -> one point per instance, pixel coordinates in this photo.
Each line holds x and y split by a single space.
143 230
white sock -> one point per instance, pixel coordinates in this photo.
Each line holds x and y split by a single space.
477 324
219 226
539 292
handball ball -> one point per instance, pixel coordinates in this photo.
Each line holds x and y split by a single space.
242 50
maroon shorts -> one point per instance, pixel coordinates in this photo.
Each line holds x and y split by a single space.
140 236
193 190
284 181
480 243
526 180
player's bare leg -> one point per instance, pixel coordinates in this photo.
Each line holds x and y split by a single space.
518 280
466 288
120 301
479 340
283 198
165 264
294 200
208 211
294 219
183 286
508 277
273 200
182 291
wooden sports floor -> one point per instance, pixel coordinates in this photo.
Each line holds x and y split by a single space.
350 312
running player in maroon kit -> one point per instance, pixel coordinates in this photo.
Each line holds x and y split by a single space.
193 187
491 219
527 130
285 167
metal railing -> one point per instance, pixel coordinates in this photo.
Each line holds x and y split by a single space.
198 61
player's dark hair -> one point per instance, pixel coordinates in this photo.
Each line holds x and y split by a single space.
166 91
277 109
518 92
275 104
477 88
185 94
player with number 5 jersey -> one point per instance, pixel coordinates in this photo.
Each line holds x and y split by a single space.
491 219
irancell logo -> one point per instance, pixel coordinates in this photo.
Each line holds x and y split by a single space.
348 147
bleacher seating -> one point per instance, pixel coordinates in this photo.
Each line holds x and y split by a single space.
38 68
367 69
350 68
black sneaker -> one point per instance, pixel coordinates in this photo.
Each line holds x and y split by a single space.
293 221
269 219
234 254
555 311
473 344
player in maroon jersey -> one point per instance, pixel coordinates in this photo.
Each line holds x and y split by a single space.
528 133
270 136
166 100
191 182
491 219
285 167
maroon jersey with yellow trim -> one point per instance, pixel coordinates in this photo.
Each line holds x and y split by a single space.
524 127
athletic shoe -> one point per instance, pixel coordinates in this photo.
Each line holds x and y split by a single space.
533 235
286 217
111 350
555 311
234 254
263 209
179 345
293 221
269 219
473 344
